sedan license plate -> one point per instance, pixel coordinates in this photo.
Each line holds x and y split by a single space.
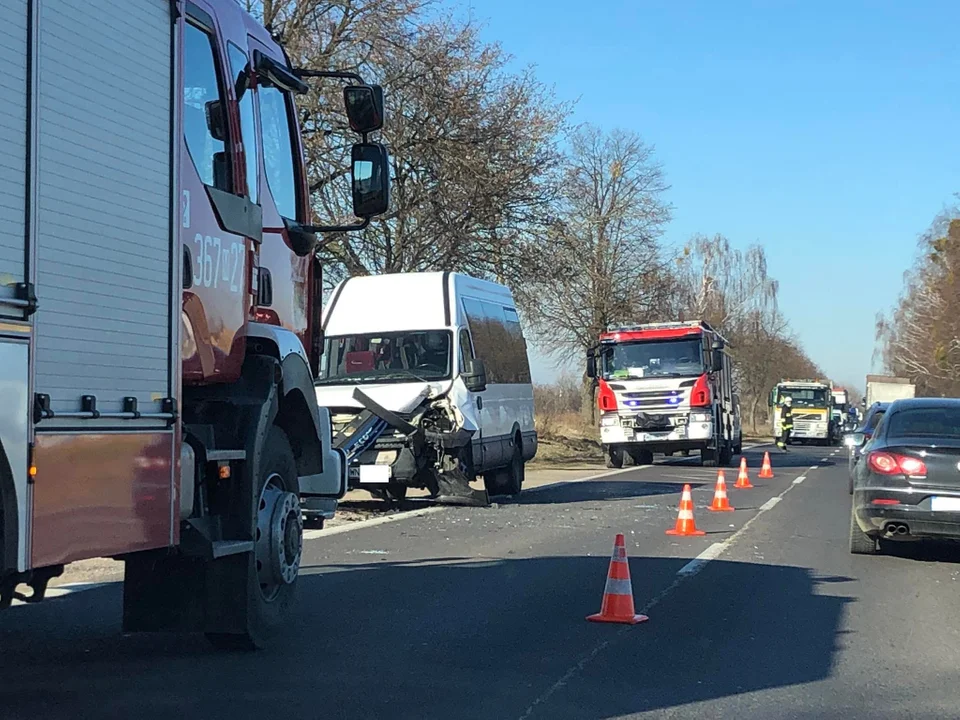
945 504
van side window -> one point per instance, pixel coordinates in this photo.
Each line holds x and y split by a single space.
466 349
248 124
498 341
205 126
278 150
519 363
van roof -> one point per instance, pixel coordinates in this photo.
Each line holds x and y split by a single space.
403 301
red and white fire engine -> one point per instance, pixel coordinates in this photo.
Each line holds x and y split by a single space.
665 387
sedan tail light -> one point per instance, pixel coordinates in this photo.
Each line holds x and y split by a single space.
884 463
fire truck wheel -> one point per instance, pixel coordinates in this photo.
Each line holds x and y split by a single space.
614 457
642 457
726 456
708 458
270 573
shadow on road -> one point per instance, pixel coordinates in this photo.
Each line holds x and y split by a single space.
596 490
442 639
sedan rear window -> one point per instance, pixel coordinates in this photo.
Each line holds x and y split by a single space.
936 421
874 419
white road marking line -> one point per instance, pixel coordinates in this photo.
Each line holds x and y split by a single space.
814 467
799 479
689 570
695 565
371 522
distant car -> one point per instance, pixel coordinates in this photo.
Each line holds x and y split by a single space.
907 485
856 440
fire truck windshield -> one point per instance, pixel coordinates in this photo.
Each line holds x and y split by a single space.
658 358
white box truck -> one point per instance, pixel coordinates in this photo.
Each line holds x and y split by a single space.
887 388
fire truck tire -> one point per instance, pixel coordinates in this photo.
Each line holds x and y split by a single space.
269 574
708 458
614 457
726 456
642 457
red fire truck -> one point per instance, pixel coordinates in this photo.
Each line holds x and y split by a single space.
665 387
159 308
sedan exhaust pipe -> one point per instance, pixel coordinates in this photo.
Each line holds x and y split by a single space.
897 529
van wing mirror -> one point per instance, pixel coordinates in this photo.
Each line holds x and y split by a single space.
475 375
364 106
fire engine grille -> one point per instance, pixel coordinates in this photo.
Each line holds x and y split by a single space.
655 399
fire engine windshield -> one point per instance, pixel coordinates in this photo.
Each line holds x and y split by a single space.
661 358
386 357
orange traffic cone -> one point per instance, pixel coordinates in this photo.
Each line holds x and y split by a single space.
720 501
685 523
743 480
766 472
617 605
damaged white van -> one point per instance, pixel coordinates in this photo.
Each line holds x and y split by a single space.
428 383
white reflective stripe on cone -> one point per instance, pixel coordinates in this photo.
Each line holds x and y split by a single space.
618 587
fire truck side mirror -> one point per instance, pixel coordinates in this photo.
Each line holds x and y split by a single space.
371 179
364 105
717 360
591 364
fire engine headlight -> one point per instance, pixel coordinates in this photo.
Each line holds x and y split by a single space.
609 420
699 417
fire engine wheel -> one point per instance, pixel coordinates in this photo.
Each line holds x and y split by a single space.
708 457
614 457
726 456
270 572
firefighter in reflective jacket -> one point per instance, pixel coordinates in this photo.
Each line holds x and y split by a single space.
786 423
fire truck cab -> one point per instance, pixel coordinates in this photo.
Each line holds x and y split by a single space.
665 387
160 308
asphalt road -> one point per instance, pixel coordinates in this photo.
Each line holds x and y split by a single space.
480 613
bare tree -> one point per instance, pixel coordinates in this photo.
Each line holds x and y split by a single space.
473 145
601 261
732 290
920 338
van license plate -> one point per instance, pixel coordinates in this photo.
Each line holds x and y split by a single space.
374 474
945 504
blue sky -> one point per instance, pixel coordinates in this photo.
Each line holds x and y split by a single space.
827 131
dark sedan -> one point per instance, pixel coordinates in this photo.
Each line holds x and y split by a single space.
907 485
855 441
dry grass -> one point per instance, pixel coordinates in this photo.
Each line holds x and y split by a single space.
564 438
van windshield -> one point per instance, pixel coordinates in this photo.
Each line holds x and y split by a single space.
387 357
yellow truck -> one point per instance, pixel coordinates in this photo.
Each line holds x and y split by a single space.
812 403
